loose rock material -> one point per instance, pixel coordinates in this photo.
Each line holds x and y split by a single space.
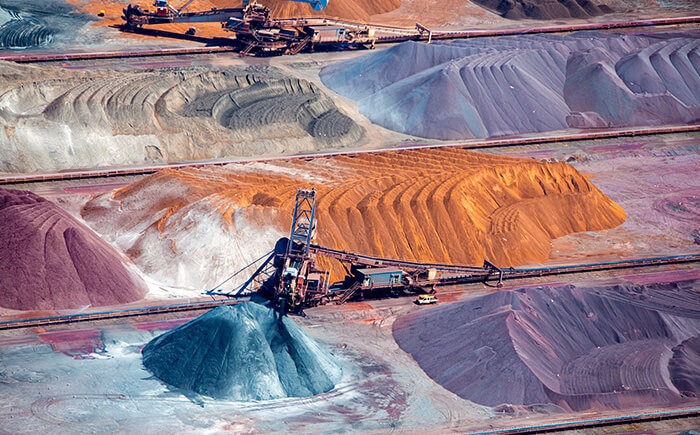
242 352
50 260
489 87
578 348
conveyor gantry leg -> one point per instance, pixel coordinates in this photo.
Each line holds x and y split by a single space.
493 268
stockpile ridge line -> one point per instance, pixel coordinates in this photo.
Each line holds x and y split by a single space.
7 179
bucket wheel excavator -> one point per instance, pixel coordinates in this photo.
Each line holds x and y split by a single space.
135 16
288 275
254 31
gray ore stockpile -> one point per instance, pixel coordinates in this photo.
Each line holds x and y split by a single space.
242 352
578 348
535 83
60 119
26 24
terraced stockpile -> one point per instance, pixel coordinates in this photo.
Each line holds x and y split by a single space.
579 348
242 352
57 119
50 260
535 83
195 227
26 24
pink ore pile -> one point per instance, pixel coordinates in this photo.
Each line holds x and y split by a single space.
576 348
487 87
49 260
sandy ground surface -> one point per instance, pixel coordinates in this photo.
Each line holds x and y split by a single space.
651 178
74 24
381 388
89 377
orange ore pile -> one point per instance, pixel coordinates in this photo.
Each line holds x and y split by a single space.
348 9
359 10
439 205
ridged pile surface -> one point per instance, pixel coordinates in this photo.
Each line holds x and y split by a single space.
242 352
17 31
579 348
42 24
535 83
87 119
348 9
50 260
545 9
439 205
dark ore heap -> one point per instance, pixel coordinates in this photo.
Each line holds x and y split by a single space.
27 24
50 260
241 352
578 348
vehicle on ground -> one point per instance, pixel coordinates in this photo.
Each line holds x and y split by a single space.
426 300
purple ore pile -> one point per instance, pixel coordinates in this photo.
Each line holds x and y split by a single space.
49 260
488 87
545 9
578 348
242 352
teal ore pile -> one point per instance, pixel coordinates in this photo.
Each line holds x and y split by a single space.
242 352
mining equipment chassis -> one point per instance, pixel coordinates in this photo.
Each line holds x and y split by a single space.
289 276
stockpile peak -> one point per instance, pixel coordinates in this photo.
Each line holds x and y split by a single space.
242 352
50 260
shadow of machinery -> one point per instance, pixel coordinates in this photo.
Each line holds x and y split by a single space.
209 42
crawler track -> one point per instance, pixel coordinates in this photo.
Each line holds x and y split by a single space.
481 144
468 274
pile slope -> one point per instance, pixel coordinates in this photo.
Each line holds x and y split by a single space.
359 10
50 260
439 205
534 83
578 348
58 119
242 352
545 9
26 24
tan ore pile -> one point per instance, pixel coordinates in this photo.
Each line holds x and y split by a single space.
57 119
